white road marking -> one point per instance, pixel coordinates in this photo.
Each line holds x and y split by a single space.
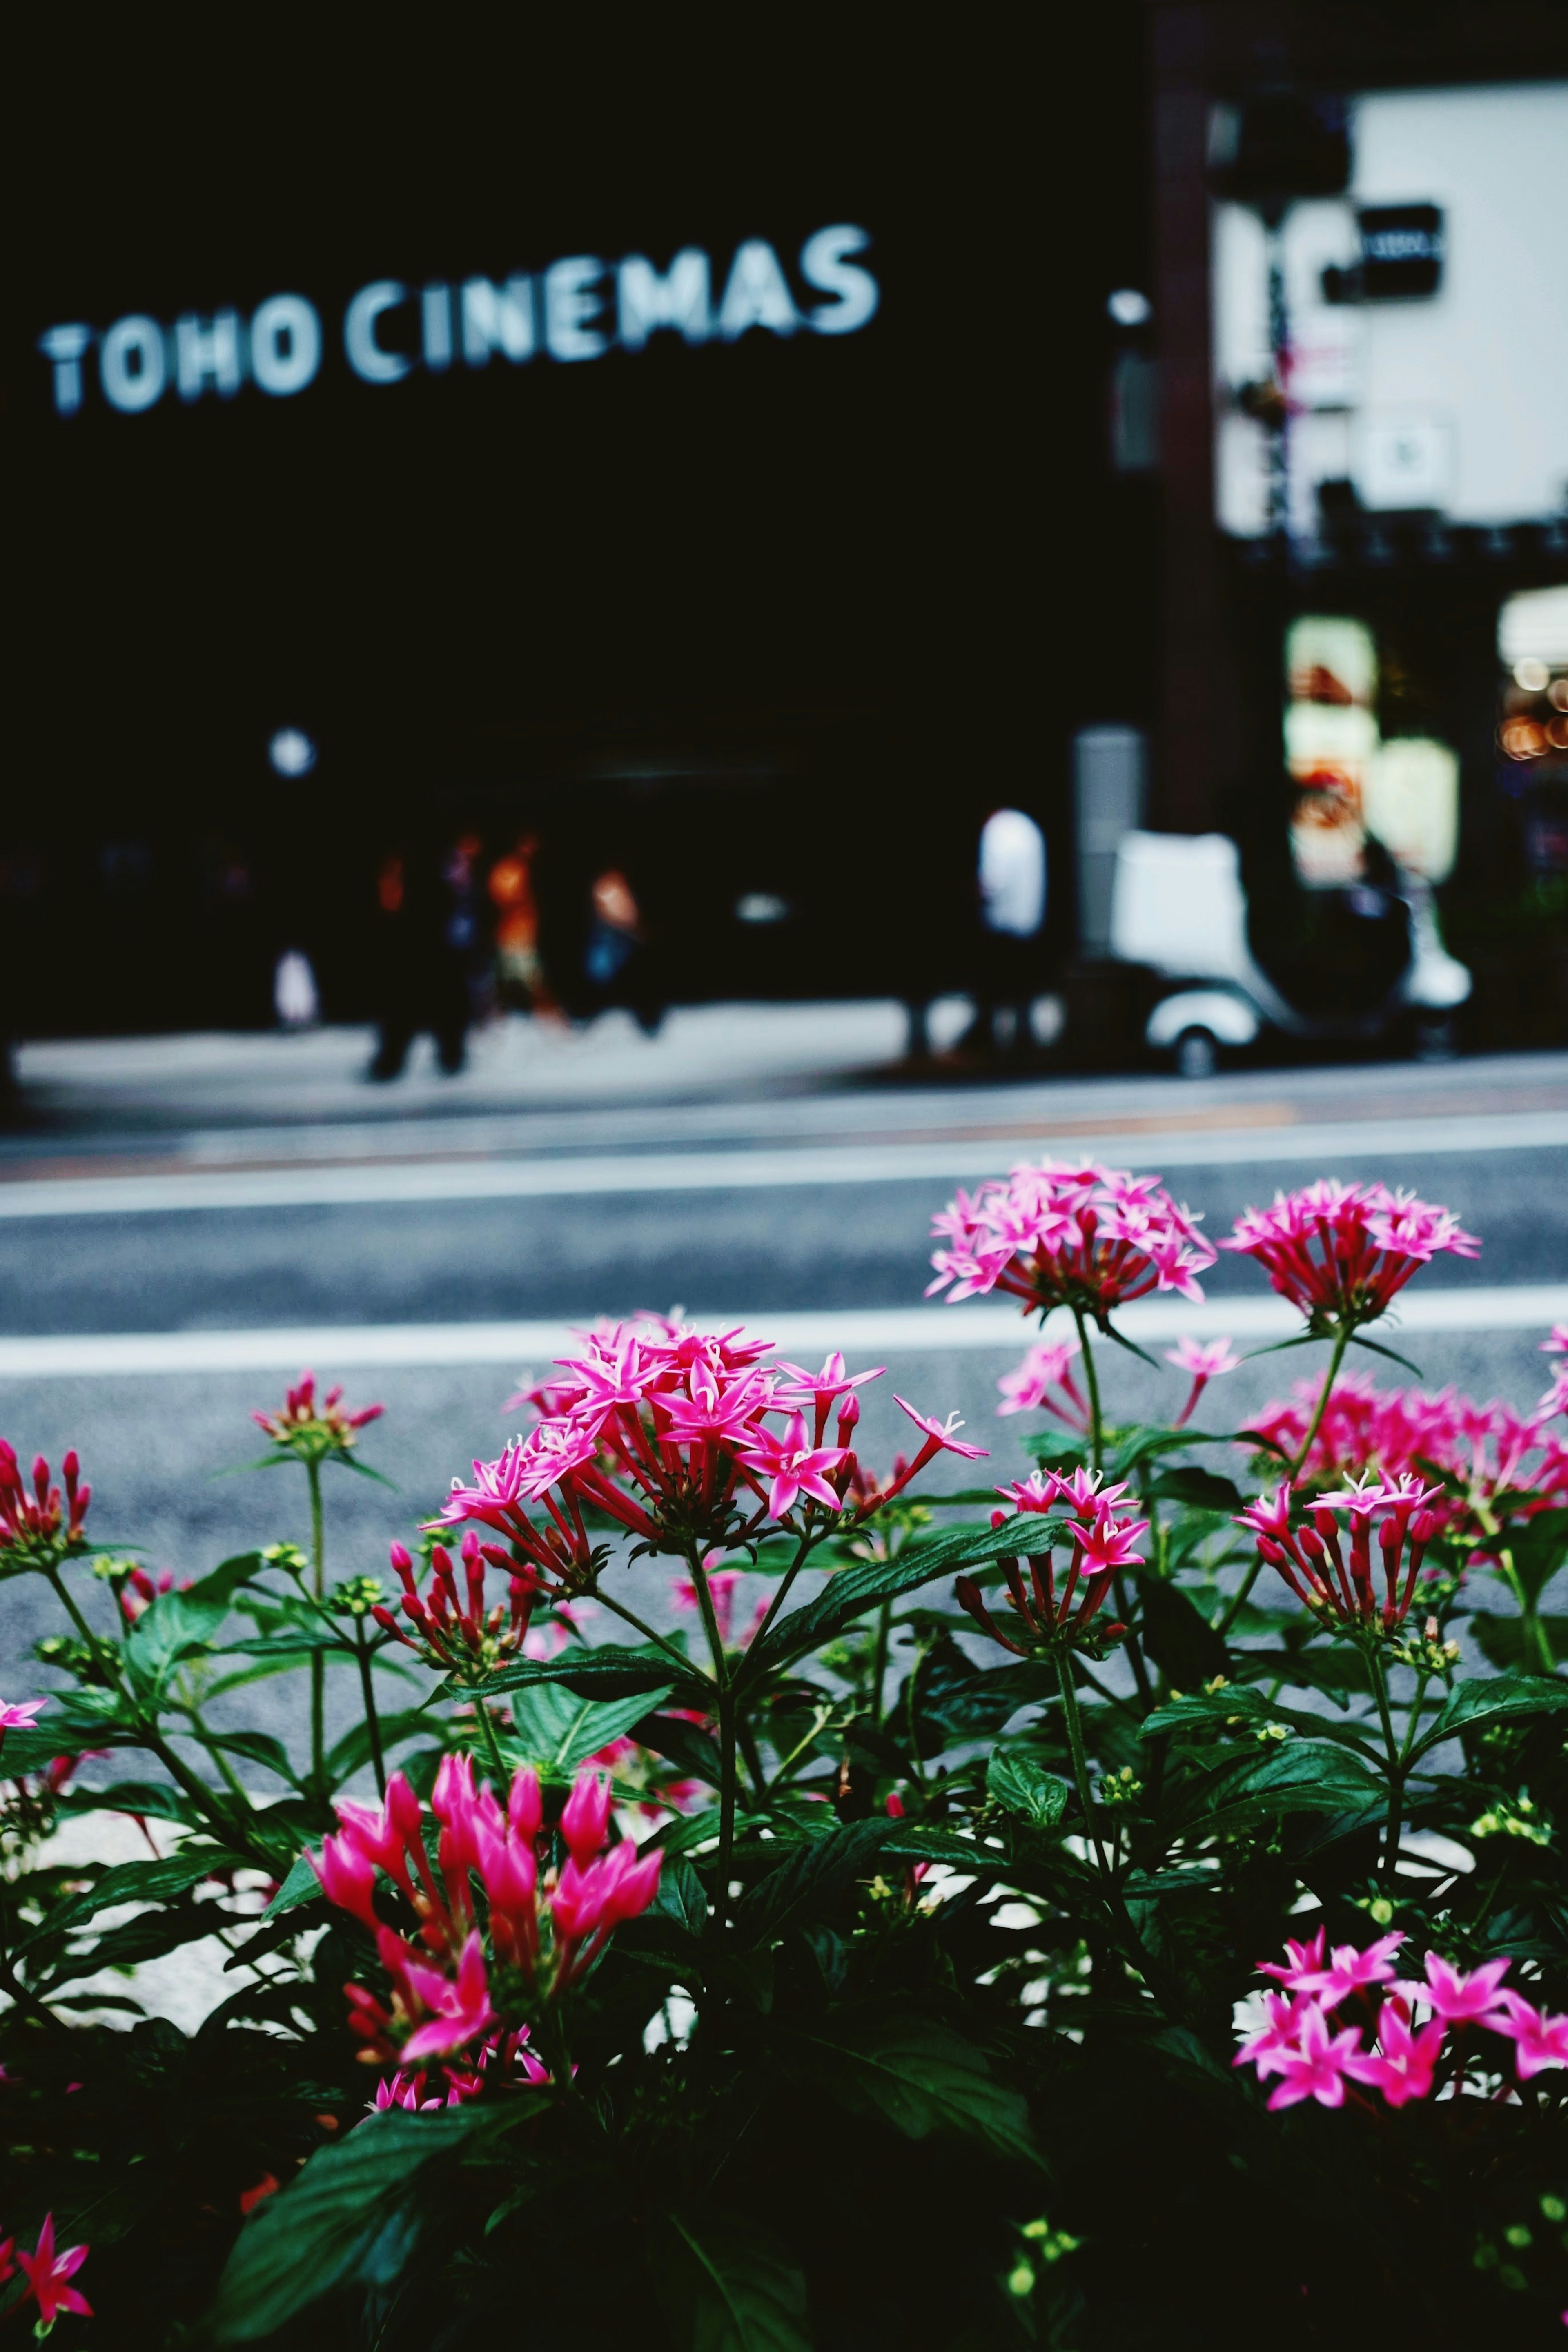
859 1332
1345 1145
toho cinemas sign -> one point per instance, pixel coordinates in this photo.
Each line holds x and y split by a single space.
576 309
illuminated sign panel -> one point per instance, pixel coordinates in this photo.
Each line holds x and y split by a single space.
576 309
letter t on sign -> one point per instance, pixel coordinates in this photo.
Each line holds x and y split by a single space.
63 347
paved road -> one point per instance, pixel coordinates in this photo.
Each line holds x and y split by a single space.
798 1188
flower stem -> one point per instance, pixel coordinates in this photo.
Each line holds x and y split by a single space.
317 1657
1080 1754
1239 1598
371 1720
1395 1765
629 1617
487 1732
726 1712
1096 1425
880 1661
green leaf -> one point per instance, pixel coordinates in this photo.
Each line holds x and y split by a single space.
865 1585
148 1936
1024 1786
727 2287
1178 1636
680 1895
137 1882
1495 1699
181 1625
299 1886
692 1751
1202 1490
1501 1639
1539 1549
610 1671
923 2078
30 1749
556 1729
1374 1348
810 1877
325 2229
1312 1776
353 1749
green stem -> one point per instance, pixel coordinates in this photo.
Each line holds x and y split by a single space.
62 1594
726 1713
821 1717
1341 1341
371 1720
880 1661
487 1732
1239 1598
318 1659
1080 1754
1096 1423
687 1666
807 1544
1133 1647
1395 1766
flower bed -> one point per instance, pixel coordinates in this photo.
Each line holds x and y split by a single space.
895 1966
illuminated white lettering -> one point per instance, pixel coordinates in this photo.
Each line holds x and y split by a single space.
680 299
203 352
496 319
366 356
285 345
757 294
435 311
128 387
825 264
571 307
63 348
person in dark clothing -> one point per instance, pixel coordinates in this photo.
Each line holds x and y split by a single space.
427 931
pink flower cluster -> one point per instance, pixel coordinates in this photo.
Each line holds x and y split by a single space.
48 2276
545 1926
502 2059
1313 1562
1101 1545
457 1632
1046 1366
1087 1237
322 1424
1342 1252
666 1432
37 1528
1309 2045
1395 1432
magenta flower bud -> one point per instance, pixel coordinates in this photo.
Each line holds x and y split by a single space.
585 1816
403 1810
848 1415
525 1809
348 1878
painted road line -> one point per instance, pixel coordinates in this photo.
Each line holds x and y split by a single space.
867 1331
1334 1150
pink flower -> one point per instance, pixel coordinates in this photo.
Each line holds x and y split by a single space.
1460 1997
1340 1253
1205 1362
1312 1561
47 2274
348 1878
585 1817
456 2010
795 1466
36 1529
1401 2066
818 1390
1316 2066
1350 1970
1264 2049
17 1715
1539 2039
1053 1235
1303 1969
303 1426
1046 1366
938 1436
1101 1545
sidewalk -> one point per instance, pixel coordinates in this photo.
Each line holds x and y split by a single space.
724 1074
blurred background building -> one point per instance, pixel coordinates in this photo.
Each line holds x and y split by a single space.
497 521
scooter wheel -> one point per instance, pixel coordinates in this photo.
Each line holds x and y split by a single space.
1197 1053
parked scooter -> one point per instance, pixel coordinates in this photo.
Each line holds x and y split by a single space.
1178 907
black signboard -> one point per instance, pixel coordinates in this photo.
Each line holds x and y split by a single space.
1401 251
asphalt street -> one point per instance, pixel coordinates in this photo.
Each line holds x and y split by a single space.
166 1259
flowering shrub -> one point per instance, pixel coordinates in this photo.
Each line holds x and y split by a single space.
890 1856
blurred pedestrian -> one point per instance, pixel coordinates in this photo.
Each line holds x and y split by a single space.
427 937
1013 887
520 967
614 955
